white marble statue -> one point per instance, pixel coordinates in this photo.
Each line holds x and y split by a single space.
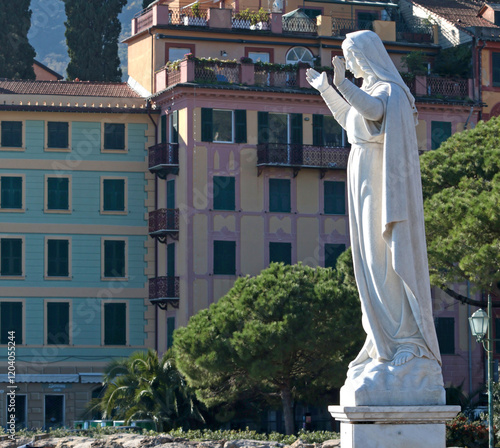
400 360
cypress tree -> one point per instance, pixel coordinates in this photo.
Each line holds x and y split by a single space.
16 53
92 32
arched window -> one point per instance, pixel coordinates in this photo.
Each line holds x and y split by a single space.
299 54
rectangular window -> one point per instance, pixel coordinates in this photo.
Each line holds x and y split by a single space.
20 410
57 194
115 324
113 195
170 331
12 134
495 60
327 132
440 132
332 252
171 193
58 323
11 319
280 253
163 129
11 192
224 257
176 54
279 195
223 126
224 194
58 256
114 259
54 411
57 134
278 129
114 136
445 329
259 56
11 257
334 198
174 127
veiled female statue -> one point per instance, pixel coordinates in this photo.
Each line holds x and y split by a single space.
386 225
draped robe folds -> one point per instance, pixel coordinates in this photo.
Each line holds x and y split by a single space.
386 224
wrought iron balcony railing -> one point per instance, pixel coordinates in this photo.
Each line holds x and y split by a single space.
164 291
164 159
302 156
164 222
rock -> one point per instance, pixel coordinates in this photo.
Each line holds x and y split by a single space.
244 443
334 443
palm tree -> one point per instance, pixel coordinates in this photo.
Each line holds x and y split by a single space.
146 387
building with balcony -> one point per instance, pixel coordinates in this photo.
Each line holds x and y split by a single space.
249 164
74 244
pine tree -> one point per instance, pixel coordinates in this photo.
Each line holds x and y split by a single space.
92 32
16 53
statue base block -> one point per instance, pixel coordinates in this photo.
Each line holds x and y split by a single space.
393 426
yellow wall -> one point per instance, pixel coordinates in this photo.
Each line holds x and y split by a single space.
139 61
252 245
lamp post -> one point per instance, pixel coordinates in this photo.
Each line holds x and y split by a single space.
482 329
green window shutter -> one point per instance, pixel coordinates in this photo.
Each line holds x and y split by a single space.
495 58
332 252
12 192
224 257
163 130
12 256
207 126
440 132
57 323
114 136
12 134
240 126
296 129
174 138
11 319
318 139
171 193
279 195
280 253
113 195
224 193
497 335
445 329
57 258
170 331
334 198
171 260
57 193
114 258
57 134
263 127
115 324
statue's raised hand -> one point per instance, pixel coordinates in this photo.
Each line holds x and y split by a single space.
317 80
338 70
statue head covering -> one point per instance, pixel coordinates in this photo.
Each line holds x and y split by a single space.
373 57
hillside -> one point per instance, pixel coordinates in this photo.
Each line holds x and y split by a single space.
47 33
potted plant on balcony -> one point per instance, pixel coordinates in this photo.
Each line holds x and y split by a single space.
241 19
195 18
259 20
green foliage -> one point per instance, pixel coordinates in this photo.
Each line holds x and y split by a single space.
92 32
146 3
290 330
461 432
145 387
16 53
253 17
454 62
195 10
415 62
461 188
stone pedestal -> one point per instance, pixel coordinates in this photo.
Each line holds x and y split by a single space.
393 426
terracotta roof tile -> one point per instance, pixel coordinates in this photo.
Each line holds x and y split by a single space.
462 13
69 88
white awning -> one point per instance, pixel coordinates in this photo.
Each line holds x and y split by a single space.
87 378
42 378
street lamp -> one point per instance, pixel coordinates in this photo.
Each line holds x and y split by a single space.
481 328
479 324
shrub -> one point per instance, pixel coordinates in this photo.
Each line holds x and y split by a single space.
465 433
